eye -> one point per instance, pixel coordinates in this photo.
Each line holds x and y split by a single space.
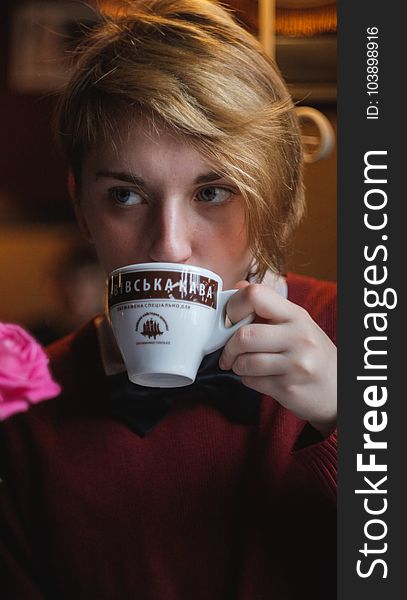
214 195
125 197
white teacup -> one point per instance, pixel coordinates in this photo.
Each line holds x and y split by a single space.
166 317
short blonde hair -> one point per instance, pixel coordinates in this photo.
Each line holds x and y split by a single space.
190 65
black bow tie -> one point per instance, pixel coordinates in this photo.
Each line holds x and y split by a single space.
141 408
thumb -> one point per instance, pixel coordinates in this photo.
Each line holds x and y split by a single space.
234 310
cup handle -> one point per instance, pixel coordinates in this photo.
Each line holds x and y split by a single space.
221 333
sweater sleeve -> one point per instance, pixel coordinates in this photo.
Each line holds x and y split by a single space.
319 457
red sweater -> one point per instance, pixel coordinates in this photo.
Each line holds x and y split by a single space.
199 509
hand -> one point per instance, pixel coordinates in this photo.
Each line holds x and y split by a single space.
289 357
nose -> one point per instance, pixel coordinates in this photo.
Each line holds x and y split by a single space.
170 234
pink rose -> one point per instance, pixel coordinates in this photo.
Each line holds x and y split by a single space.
24 375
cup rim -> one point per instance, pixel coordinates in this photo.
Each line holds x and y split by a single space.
157 266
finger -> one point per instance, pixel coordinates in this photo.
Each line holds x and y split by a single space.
263 301
256 337
260 364
281 389
264 385
275 386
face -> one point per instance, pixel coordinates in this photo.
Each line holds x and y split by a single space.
153 198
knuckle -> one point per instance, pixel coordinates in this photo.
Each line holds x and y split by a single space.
253 291
240 364
244 335
307 340
302 312
289 389
305 366
247 380
311 343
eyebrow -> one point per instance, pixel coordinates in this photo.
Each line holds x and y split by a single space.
135 180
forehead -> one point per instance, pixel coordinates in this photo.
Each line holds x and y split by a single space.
147 148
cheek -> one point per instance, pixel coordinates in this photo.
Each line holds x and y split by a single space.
233 235
224 246
110 241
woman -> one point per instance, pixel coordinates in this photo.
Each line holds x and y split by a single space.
183 147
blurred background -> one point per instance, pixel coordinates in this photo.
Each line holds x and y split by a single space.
44 263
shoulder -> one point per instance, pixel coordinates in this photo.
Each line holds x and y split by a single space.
305 290
318 297
74 353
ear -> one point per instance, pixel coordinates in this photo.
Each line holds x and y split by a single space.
80 217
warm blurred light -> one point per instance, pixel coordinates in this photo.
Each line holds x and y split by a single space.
292 17
113 8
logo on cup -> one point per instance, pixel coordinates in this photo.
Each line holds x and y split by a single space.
151 325
151 329
165 285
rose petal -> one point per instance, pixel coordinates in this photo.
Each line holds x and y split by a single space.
24 372
11 408
49 390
